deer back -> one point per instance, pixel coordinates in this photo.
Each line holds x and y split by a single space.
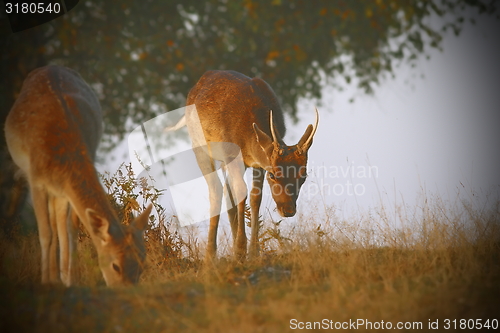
229 103
56 122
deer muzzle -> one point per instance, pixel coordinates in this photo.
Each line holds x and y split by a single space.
287 210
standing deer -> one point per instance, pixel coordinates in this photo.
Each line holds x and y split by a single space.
52 134
233 108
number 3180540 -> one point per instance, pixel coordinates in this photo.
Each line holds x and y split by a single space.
470 324
32 8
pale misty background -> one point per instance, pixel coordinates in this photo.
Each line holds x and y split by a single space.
432 131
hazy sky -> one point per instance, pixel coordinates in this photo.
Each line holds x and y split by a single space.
438 134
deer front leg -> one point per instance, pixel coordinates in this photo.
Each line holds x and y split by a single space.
241 236
53 260
238 190
232 208
63 231
60 210
255 200
73 224
40 204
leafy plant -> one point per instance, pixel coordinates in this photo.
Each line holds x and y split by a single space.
125 192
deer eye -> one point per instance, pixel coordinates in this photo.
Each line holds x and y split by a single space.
271 175
116 268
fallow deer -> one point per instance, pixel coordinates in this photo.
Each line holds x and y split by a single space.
52 133
233 108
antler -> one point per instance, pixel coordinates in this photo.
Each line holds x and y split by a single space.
315 126
304 143
273 134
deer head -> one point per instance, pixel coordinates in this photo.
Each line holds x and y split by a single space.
121 247
286 167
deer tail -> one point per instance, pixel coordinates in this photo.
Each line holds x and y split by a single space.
180 123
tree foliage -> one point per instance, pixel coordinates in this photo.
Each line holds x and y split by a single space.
143 57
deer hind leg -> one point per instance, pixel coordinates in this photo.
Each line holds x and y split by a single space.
255 200
207 167
215 195
45 232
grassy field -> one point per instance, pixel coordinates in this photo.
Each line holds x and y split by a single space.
437 266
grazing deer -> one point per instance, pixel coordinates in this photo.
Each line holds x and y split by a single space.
233 108
52 134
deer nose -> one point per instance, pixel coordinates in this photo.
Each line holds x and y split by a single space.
287 211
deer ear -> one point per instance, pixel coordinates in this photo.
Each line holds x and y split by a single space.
99 225
141 221
264 140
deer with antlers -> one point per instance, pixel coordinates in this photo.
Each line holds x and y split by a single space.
52 133
232 110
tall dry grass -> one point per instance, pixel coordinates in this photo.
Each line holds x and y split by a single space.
433 261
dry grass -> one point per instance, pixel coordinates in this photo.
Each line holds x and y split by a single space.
431 264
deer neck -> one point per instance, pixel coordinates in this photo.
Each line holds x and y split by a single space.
85 191
258 158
